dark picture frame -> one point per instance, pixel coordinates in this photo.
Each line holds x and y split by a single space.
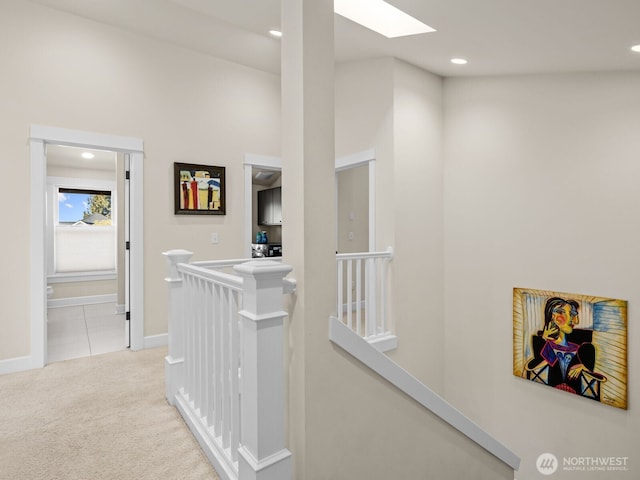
199 189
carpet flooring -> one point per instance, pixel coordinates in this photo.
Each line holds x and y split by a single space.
94 418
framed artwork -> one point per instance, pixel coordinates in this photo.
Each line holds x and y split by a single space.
199 189
571 342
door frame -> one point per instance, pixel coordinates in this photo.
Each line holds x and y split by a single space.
39 137
365 157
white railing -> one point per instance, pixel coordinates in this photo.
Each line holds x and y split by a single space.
224 368
363 296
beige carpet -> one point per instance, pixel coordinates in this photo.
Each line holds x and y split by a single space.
102 417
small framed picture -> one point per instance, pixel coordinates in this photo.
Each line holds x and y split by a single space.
199 189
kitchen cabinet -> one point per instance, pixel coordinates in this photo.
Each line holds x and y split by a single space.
270 206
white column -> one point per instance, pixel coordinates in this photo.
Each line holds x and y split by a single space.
174 361
263 455
309 215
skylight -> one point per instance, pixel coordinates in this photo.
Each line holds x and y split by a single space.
381 17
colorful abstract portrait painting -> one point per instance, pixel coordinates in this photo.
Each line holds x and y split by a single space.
571 342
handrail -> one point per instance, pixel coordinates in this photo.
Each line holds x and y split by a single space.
290 284
224 369
232 281
380 363
218 264
388 253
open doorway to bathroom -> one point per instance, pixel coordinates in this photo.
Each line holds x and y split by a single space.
132 150
84 241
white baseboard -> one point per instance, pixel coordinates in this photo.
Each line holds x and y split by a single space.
154 341
17 364
73 301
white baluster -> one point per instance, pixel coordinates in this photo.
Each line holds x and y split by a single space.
350 294
209 346
234 441
218 375
340 288
359 297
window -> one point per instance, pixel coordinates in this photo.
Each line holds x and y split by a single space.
83 232
92 207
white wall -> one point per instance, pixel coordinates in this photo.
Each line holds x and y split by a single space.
64 71
541 191
418 222
396 108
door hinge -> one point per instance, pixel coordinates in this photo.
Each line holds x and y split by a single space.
127 175
127 316
127 245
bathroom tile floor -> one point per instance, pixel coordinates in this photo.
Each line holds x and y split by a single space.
84 330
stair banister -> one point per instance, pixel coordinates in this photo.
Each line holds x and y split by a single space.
263 455
174 361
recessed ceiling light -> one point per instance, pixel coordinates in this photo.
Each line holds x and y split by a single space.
381 17
636 48
275 33
459 61
87 155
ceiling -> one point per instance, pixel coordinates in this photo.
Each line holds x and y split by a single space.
71 157
497 37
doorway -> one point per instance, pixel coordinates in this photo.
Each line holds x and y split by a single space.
365 159
85 249
131 152
252 164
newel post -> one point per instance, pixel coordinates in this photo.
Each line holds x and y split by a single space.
174 361
263 455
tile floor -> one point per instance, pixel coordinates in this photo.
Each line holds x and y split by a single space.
84 330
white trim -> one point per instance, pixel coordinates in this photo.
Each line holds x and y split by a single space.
355 159
155 341
359 348
82 277
39 137
77 138
274 163
136 251
384 343
38 272
248 210
17 364
372 205
88 300
217 457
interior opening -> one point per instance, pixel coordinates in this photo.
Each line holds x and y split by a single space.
84 227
